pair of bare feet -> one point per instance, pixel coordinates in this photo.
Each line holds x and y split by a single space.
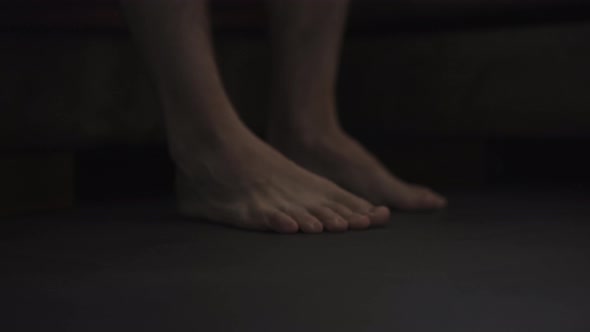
296 186
312 176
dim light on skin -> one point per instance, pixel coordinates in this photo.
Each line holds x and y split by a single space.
226 173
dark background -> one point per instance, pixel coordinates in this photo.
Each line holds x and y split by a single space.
485 100
449 93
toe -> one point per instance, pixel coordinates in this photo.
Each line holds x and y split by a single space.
282 223
379 215
355 220
356 204
332 221
307 223
428 199
438 200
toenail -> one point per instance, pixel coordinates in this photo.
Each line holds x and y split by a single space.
373 211
364 212
316 227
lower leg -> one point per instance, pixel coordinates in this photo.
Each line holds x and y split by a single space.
175 39
306 44
226 174
303 121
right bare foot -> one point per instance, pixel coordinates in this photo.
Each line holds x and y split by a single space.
247 184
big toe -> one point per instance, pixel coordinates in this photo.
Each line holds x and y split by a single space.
379 215
428 199
282 223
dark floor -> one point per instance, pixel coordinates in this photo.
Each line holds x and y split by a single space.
495 260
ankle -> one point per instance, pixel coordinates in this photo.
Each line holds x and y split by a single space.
287 134
190 145
305 118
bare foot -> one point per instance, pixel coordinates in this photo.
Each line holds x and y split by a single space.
225 173
247 184
338 157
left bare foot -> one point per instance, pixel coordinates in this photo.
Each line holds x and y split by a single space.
335 155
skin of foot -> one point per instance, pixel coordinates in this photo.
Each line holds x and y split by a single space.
247 184
303 120
225 173
340 158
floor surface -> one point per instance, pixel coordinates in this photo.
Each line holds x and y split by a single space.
502 260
